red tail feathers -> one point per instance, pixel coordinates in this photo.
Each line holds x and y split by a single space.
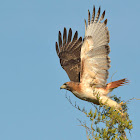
116 84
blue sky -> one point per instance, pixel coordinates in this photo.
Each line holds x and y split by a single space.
32 107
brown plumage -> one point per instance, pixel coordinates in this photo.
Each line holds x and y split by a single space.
69 54
87 62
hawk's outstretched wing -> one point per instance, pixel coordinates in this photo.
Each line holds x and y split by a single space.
69 53
95 61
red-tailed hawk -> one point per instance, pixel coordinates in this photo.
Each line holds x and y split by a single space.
87 62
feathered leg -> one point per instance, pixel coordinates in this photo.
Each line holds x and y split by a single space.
111 103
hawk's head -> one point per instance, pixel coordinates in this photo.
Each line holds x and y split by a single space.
71 86
67 86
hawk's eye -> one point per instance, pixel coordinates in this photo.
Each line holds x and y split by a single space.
65 84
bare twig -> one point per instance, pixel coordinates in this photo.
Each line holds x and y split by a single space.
113 75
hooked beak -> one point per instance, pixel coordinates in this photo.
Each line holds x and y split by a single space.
63 87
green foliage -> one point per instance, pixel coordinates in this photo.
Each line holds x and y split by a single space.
106 122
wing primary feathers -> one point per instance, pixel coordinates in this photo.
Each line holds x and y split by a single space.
64 36
98 14
68 51
88 17
105 22
85 25
102 17
69 35
77 44
95 50
75 36
60 40
57 49
93 60
93 15
72 43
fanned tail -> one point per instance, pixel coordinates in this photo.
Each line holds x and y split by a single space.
115 84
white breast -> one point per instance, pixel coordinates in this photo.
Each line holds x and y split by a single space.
86 94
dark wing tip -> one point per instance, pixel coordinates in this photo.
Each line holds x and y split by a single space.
104 12
93 14
98 14
60 39
64 36
88 17
94 9
65 30
75 36
70 31
76 32
59 33
69 35
105 22
57 49
99 10
80 38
